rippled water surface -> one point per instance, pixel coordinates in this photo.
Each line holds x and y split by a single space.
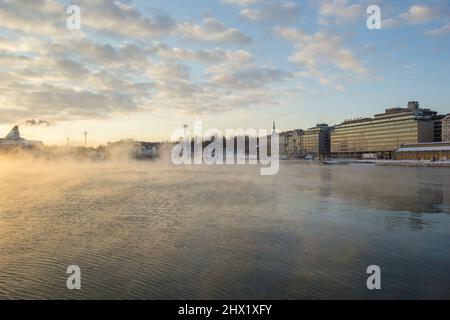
153 231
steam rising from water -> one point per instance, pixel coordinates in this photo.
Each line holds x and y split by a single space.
152 230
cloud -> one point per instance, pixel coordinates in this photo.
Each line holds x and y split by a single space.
19 44
114 18
65 103
125 56
213 30
206 56
120 19
321 56
241 3
120 62
273 11
41 17
318 49
249 76
417 14
291 34
444 30
341 10
79 79
236 83
10 60
53 86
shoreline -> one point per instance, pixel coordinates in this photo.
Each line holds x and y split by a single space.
396 163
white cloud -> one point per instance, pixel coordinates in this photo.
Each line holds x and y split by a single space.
44 17
444 30
320 49
19 44
206 56
241 3
248 76
273 11
291 34
321 56
119 18
52 73
417 14
213 30
48 17
341 10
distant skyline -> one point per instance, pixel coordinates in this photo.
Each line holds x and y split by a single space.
140 69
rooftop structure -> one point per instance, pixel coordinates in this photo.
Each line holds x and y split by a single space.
14 141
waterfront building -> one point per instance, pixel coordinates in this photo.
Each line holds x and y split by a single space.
316 141
284 143
384 133
424 151
295 143
445 126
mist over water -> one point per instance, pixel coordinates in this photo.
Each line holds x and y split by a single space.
150 230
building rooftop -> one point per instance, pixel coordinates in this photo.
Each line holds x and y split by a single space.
413 109
424 149
426 146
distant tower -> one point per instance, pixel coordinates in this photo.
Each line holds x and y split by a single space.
274 127
185 126
85 138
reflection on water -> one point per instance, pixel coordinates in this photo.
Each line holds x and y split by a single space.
153 231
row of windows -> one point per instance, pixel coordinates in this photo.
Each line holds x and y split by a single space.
374 145
376 128
373 148
371 130
378 138
386 145
381 136
372 122
371 140
422 155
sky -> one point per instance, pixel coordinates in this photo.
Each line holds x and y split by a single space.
141 69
